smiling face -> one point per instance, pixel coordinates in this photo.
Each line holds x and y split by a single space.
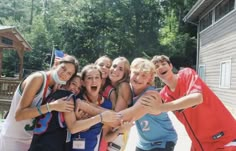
163 67
119 70
142 74
104 64
140 80
65 71
74 85
163 70
92 81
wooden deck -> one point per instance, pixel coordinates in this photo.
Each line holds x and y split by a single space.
7 89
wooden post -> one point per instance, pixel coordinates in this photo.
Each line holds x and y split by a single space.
1 58
20 52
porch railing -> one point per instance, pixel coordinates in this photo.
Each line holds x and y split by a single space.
7 89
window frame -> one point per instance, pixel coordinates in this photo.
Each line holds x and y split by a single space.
209 13
214 21
226 12
222 84
202 74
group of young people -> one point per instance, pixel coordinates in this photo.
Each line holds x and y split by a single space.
62 110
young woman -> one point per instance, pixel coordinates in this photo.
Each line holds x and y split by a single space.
89 139
16 133
119 77
50 132
50 129
107 90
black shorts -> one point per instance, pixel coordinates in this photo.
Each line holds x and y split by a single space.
169 147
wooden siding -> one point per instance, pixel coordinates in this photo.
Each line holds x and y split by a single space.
217 44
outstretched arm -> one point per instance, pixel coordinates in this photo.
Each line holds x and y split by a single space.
184 102
79 125
111 133
138 110
88 108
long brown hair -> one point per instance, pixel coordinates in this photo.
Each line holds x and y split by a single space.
70 60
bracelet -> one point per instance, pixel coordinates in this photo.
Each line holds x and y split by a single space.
101 117
39 110
48 108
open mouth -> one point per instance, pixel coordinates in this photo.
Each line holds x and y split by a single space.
164 72
94 88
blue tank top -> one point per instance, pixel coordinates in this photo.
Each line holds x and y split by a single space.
154 131
93 134
50 129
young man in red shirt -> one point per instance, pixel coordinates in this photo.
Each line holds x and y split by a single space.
208 123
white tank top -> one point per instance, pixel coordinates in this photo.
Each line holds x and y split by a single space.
22 130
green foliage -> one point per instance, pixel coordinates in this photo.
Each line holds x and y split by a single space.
9 69
88 29
40 41
178 44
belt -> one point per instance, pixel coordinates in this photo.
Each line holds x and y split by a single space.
165 144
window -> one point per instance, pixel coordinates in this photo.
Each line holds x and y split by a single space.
201 72
206 21
225 74
223 8
7 41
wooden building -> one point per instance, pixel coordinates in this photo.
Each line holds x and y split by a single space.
10 40
216 45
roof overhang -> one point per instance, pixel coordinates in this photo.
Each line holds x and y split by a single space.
18 36
196 10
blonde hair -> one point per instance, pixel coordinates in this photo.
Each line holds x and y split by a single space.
143 65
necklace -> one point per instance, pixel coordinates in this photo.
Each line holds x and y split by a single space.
98 101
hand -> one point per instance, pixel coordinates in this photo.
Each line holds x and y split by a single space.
125 126
151 101
62 105
110 116
80 115
81 105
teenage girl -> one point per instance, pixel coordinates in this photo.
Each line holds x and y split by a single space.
16 133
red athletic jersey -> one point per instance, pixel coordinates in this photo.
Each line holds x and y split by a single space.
209 125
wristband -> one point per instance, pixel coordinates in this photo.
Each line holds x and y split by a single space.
101 117
48 108
39 110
